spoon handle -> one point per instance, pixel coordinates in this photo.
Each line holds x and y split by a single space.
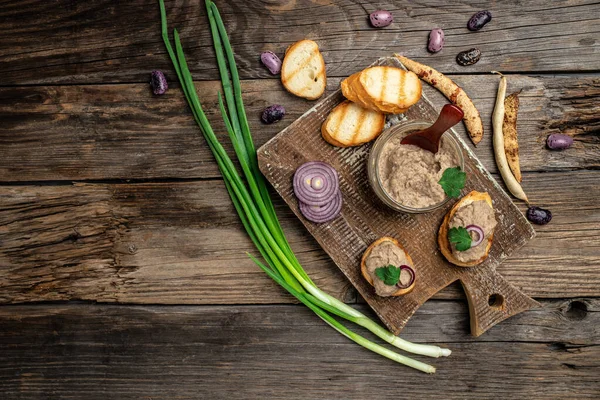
450 116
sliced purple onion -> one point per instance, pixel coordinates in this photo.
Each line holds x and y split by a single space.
324 213
479 232
412 276
316 183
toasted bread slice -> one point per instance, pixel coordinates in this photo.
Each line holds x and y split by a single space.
365 272
392 89
355 93
349 124
386 89
303 70
443 241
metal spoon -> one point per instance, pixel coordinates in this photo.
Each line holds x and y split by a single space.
429 139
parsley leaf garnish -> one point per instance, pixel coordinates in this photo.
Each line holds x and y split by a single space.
390 275
452 181
460 237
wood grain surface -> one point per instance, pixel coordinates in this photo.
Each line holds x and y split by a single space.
108 194
97 132
180 242
285 352
105 41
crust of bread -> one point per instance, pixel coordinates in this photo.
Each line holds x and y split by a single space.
285 80
363 133
350 90
329 139
443 241
365 272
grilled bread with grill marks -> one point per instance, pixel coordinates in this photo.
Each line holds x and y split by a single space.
349 124
303 70
385 89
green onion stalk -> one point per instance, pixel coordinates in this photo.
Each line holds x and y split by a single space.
251 199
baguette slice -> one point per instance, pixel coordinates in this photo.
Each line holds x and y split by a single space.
365 272
443 241
349 124
303 70
355 93
389 90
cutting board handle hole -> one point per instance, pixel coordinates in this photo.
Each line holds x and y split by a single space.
496 301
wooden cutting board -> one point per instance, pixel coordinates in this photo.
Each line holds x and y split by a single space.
364 219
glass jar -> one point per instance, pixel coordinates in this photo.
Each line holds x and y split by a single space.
376 150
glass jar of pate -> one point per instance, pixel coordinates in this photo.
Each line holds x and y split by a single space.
406 178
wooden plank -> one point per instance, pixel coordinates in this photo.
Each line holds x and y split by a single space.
104 41
122 131
182 243
132 352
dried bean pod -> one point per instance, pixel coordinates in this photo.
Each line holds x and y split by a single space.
468 57
478 20
436 40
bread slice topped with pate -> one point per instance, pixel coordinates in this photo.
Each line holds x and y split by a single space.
349 124
303 70
388 268
389 90
466 234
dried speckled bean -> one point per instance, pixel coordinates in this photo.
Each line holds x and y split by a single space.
271 61
381 18
539 216
478 20
436 40
557 141
468 57
158 82
273 113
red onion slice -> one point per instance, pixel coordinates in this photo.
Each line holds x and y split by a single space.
324 213
316 183
412 276
479 232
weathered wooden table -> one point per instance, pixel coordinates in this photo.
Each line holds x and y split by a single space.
123 271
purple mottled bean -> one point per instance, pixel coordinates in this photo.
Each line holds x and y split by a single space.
436 40
478 20
158 82
271 61
557 141
381 18
539 216
272 114
468 57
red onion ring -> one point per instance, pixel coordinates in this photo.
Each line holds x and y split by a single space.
324 213
412 276
480 235
316 183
